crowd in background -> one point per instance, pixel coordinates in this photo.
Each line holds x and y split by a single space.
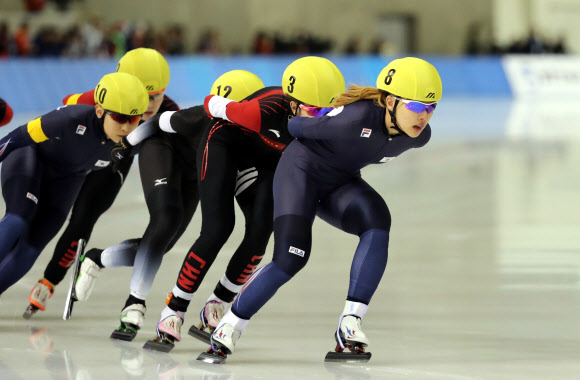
96 39
532 43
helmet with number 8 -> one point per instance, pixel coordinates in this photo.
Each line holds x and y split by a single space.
313 80
411 78
122 93
236 85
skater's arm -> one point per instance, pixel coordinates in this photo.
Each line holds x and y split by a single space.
254 114
84 98
186 122
336 125
5 113
34 132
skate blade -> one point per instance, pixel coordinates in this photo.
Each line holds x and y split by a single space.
158 345
71 296
347 357
123 335
29 312
212 357
199 334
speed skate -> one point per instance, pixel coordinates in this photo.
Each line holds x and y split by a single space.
71 295
350 342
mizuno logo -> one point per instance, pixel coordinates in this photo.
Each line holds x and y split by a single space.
431 95
161 181
274 131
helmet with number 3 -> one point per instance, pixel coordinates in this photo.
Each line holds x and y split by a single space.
411 78
122 93
313 80
236 85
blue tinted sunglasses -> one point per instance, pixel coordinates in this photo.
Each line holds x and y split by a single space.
316 111
417 107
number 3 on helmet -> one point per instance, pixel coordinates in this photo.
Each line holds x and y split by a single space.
313 80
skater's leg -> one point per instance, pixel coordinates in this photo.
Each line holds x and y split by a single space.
254 195
96 196
57 198
161 182
216 192
358 209
21 177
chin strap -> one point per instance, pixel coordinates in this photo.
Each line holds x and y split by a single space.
394 118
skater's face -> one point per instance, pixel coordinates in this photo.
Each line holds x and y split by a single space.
155 101
412 117
117 125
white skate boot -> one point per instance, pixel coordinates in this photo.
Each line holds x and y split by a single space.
87 278
168 331
39 295
349 335
131 320
224 338
210 316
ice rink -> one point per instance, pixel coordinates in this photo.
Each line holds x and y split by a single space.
483 279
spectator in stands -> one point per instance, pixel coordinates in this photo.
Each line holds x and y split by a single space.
22 40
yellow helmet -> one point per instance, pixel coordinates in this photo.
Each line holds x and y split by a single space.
313 80
122 93
236 85
411 78
149 66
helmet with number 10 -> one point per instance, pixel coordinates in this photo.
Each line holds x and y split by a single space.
313 80
411 78
122 93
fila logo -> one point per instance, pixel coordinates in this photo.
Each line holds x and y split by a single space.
366 132
296 251
431 95
32 197
81 130
385 159
161 181
134 111
102 164
277 133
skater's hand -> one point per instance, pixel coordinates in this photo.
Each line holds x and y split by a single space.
119 153
215 106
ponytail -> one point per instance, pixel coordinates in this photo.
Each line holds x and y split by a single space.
355 93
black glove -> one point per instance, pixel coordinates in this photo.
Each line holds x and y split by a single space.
120 152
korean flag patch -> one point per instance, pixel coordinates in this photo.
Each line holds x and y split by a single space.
81 129
366 132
